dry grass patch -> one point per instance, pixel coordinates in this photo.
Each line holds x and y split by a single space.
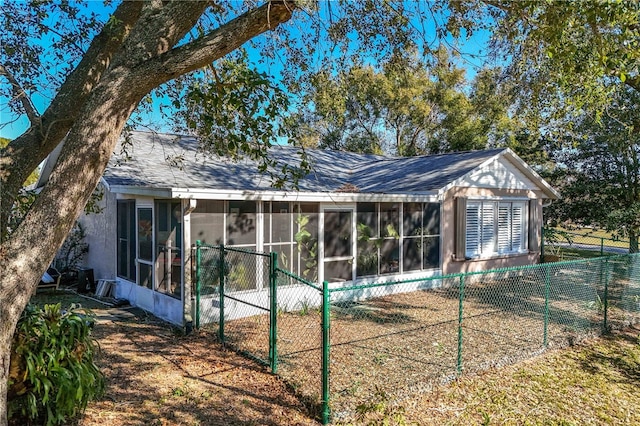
593 383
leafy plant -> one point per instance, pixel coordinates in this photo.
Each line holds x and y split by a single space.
52 375
307 247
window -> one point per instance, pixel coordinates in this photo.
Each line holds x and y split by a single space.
421 236
126 212
387 246
495 227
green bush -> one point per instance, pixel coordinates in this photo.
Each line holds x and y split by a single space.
52 375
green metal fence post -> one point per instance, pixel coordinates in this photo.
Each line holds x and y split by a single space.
601 246
606 294
273 312
198 275
547 291
221 273
460 304
326 318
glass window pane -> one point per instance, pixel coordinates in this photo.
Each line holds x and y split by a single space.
389 219
281 223
412 225
145 234
367 221
412 254
339 270
266 209
431 219
389 256
473 230
285 259
431 252
337 233
489 238
126 224
241 271
145 275
207 222
241 223
306 239
367 258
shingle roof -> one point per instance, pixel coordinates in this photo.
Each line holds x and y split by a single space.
170 161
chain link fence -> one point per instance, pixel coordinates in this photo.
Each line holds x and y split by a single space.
233 289
404 342
559 245
338 347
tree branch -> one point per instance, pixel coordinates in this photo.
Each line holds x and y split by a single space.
22 155
19 93
220 41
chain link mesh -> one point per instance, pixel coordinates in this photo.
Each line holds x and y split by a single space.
403 337
246 299
560 245
299 336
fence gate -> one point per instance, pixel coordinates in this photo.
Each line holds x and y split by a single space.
233 288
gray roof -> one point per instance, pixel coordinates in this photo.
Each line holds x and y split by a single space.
169 161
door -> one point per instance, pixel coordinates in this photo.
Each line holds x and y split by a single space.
338 244
145 247
168 243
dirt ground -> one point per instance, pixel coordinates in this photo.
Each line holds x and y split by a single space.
155 376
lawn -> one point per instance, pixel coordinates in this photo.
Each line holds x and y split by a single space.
156 376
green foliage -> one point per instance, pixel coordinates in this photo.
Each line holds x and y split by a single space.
598 169
407 106
234 110
307 247
52 373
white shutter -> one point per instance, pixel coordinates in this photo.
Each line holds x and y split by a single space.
472 245
504 228
517 227
488 239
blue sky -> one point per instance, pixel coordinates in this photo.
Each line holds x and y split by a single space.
474 46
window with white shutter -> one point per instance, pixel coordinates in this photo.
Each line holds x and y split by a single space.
495 227
473 230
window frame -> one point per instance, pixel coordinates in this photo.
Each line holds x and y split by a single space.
485 242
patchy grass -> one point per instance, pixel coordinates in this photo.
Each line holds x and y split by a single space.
593 383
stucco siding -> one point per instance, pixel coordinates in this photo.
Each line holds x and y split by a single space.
450 265
101 236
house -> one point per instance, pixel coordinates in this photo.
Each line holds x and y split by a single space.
365 217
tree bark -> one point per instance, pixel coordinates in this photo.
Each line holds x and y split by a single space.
96 124
22 155
633 242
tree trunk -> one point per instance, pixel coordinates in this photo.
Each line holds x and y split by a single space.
633 242
7 329
93 136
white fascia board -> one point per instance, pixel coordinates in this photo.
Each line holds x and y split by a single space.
104 183
140 190
295 196
519 163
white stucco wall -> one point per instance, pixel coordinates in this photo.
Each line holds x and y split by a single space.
101 234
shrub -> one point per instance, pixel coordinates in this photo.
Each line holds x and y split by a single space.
52 375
